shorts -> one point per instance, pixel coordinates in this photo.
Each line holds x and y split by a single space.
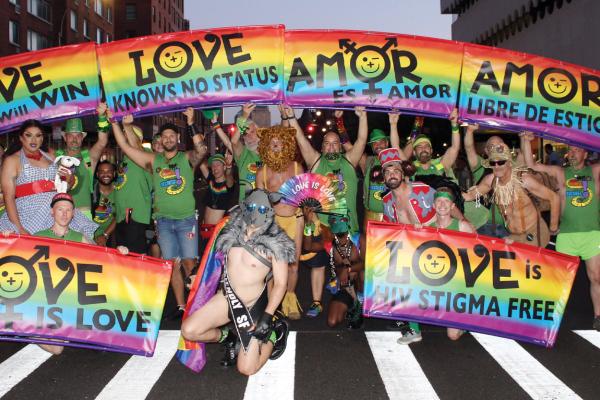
319 259
582 244
344 297
178 238
288 224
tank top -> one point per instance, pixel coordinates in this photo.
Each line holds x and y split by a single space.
581 203
173 182
373 187
71 235
248 164
219 195
454 225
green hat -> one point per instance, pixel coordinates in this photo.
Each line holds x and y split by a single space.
338 224
216 157
377 134
421 139
74 125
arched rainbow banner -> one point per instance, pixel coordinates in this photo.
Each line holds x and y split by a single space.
305 68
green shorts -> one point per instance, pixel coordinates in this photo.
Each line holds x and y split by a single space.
582 244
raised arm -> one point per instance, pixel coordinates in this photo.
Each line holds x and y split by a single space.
138 156
484 187
236 139
450 155
309 154
394 135
197 154
204 169
472 156
229 181
130 135
98 147
358 148
552 170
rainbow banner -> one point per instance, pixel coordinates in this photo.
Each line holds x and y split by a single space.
227 66
80 295
519 91
466 281
45 85
343 69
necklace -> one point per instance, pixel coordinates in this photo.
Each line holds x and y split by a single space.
34 156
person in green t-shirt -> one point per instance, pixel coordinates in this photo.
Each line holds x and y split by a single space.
104 203
174 203
579 228
73 136
243 144
333 162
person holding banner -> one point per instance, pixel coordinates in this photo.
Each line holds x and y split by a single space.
254 249
513 189
579 233
405 203
73 136
104 204
174 203
333 162
28 185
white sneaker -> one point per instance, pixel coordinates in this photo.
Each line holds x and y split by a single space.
409 336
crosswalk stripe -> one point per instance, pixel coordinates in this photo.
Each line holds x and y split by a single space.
16 368
591 336
399 369
528 372
276 378
136 378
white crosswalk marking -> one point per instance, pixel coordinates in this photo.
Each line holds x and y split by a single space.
276 379
399 369
20 365
139 374
532 376
591 336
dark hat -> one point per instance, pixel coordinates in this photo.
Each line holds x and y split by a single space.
61 197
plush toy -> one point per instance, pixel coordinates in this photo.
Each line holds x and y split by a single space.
60 182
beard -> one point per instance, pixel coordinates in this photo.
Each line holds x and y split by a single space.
393 183
277 161
424 157
332 156
170 148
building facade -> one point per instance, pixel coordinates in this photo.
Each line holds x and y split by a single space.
566 30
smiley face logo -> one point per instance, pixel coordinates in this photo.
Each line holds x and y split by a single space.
371 63
173 59
434 263
17 280
557 85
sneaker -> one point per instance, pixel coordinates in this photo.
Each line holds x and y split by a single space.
294 310
396 326
408 336
596 324
315 309
231 345
282 329
175 314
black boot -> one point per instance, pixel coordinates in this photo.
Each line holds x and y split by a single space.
281 329
354 316
231 345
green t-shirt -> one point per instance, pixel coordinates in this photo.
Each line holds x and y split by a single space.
133 189
342 173
580 213
478 171
71 235
248 164
373 189
173 183
104 212
454 225
435 168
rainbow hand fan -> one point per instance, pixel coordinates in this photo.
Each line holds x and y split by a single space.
315 191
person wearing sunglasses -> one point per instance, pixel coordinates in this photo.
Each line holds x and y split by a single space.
254 250
513 188
579 234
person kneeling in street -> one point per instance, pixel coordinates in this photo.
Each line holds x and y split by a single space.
254 249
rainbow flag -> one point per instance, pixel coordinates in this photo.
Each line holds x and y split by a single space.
85 295
343 69
193 354
519 91
466 281
205 68
44 85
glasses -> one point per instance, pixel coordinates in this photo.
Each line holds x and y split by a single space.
498 163
253 206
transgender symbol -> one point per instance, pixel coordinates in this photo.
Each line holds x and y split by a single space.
369 64
18 281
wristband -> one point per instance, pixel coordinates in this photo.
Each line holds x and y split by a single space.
308 230
455 129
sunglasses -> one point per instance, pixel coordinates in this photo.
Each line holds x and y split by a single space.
253 206
498 163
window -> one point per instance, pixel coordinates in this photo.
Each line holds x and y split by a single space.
39 8
13 32
87 3
98 7
13 2
130 12
74 20
107 39
35 41
86 28
99 35
109 17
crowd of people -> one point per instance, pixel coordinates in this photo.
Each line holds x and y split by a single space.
146 205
